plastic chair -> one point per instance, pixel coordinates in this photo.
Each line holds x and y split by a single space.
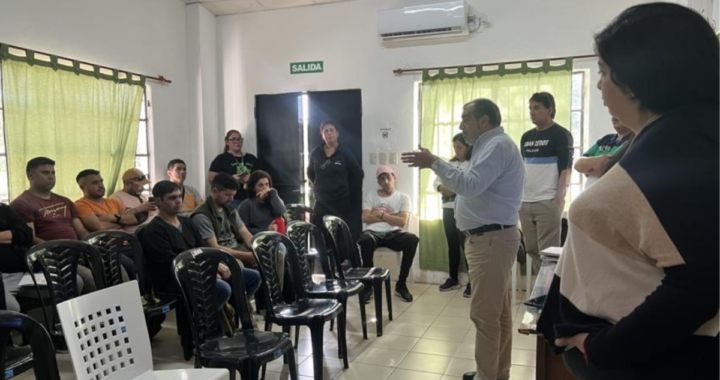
107 339
246 350
155 304
305 235
42 351
298 212
58 261
109 245
312 313
375 277
16 359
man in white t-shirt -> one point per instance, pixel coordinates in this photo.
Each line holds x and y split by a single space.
385 214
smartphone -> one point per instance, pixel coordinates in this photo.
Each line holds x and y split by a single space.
151 199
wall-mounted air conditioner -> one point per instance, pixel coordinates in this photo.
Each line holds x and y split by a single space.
418 21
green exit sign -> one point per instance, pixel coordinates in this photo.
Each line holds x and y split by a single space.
306 67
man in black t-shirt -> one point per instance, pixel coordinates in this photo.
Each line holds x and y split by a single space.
547 151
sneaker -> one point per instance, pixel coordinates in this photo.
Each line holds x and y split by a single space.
467 293
449 284
402 292
469 375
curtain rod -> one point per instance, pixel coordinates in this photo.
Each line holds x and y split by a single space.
159 78
406 71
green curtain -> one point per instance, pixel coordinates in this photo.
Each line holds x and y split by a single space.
443 96
81 119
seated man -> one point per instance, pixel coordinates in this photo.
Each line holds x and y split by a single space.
50 216
131 196
191 198
168 235
594 161
385 213
15 238
98 213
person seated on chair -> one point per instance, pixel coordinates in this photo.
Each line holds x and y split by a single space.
191 198
98 213
15 238
170 234
594 162
49 215
132 197
261 210
385 214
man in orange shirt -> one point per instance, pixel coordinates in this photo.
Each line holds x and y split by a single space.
98 213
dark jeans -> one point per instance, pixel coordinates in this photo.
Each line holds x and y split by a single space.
455 240
397 241
129 265
575 363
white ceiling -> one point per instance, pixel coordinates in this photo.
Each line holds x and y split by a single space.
228 7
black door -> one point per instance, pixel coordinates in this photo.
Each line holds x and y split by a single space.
279 142
345 108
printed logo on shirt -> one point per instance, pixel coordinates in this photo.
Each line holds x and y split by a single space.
57 210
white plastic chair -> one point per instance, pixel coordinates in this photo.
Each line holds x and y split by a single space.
107 337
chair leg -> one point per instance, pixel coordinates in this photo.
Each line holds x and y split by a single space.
388 292
363 317
268 326
297 336
342 341
377 288
233 374
292 366
250 370
316 335
332 324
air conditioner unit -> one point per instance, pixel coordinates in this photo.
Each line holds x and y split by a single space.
417 21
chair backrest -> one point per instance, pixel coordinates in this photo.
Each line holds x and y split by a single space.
44 362
306 236
266 247
106 333
298 212
342 241
110 245
58 260
196 273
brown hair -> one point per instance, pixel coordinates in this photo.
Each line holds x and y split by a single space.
468 153
227 136
255 177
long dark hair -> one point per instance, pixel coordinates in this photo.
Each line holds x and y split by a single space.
255 177
227 136
468 151
665 54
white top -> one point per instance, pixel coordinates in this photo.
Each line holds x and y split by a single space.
459 165
397 202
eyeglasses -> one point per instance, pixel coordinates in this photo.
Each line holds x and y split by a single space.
235 139
138 179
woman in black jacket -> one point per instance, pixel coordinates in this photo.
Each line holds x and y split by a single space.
15 238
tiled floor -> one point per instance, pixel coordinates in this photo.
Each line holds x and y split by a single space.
429 339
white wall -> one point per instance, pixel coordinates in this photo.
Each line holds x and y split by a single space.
256 49
148 37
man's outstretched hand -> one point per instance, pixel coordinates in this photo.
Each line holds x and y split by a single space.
422 159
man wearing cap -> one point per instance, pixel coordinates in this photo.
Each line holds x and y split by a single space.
385 213
131 196
489 193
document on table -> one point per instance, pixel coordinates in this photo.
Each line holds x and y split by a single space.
28 281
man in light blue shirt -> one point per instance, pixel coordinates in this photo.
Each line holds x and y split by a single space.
489 195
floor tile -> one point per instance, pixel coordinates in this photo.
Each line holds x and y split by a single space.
458 367
456 311
362 371
382 357
526 342
454 322
425 363
522 373
523 357
445 333
403 374
465 351
406 329
395 342
331 368
418 319
435 347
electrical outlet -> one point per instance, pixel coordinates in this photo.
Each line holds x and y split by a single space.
382 158
373 158
392 158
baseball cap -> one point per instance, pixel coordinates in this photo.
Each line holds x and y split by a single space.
382 170
136 175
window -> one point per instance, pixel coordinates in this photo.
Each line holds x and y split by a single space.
142 154
577 128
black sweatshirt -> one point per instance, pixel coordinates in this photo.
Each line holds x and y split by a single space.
337 178
12 256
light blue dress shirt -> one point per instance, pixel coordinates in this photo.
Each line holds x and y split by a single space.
490 190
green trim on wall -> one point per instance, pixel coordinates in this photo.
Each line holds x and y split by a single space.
501 69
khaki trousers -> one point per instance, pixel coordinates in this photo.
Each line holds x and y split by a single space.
490 258
540 223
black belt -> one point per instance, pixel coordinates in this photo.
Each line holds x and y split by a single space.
486 228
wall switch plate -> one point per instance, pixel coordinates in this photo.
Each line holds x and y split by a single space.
382 158
373 158
392 158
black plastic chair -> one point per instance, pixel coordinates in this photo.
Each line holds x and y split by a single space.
245 350
155 304
304 236
109 245
16 360
42 357
298 212
312 313
58 261
342 240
